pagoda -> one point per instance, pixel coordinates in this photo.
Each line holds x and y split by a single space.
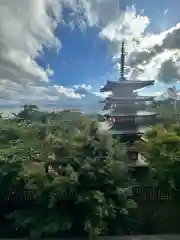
124 114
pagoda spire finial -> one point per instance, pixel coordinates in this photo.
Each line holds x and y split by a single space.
122 61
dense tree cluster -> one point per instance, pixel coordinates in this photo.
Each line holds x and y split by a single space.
163 154
78 174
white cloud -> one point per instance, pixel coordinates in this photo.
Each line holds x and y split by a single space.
28 26
153 94
25 28
83 86
148 55
94 12
101 94
48 97
68 92
129 27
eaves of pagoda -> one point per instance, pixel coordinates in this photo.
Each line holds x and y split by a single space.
139 131
135 84
114 113
113 99
106 126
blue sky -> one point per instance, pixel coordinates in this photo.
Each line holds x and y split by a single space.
85 57
88 34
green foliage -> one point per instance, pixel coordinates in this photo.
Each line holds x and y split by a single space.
84 187
163 153
78 174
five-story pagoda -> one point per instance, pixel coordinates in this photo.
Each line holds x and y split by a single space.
124 113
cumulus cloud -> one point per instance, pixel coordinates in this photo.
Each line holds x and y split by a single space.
149 56
26 28
88 102
93 12
36 93
168 40
49 97
128 26
68 92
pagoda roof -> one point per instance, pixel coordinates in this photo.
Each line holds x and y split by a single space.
106 126
126 132
135 84
128 99
113 113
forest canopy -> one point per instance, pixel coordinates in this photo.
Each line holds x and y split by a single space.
73 169
78 174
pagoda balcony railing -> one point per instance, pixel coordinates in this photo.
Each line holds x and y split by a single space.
129 107
128 100
134 120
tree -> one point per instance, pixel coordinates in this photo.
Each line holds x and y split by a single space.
83 191
163 153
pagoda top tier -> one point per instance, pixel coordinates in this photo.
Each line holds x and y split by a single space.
122 84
